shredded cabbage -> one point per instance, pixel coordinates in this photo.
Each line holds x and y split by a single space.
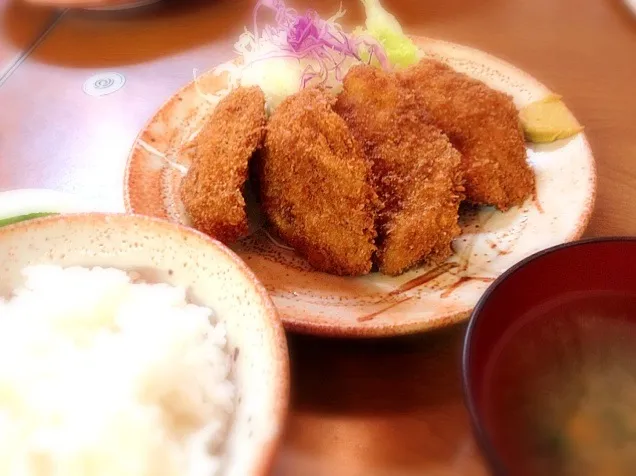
296 51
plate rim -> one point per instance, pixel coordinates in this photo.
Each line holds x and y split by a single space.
301 325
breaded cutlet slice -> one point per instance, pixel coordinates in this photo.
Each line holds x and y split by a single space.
316 187
483 124
212 190
417 173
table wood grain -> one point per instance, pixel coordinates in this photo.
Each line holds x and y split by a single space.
20 27
372 408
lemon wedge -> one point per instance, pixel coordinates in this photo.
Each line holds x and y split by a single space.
548 120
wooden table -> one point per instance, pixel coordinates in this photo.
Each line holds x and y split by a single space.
21 27
373 408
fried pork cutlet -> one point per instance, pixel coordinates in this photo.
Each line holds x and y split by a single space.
315 185
212 191
483 124
416 171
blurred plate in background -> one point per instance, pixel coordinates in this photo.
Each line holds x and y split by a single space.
22 204
94 4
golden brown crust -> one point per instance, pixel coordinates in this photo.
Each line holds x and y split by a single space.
315 185
212 191
483 124
417 172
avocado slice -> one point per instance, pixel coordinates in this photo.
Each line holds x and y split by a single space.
548 120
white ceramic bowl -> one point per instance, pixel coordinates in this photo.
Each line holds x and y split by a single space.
215 277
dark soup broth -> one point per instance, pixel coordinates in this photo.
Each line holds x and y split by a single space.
560 389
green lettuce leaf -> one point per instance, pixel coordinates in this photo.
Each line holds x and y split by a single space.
385 28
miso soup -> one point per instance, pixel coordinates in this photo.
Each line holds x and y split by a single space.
561 389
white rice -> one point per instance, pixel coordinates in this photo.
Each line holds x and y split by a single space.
103 376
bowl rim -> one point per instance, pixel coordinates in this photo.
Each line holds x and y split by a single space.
280 353
480 433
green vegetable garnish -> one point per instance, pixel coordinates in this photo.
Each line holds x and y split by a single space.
385 28
548 120
19 218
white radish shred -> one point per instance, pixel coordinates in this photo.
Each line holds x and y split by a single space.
104 376
183 170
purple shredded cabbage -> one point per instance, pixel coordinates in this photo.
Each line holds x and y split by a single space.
310 37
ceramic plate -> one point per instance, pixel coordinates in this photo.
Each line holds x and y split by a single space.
376 305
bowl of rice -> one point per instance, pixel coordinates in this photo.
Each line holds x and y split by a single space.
132 346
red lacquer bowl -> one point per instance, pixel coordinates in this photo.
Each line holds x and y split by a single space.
584 269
